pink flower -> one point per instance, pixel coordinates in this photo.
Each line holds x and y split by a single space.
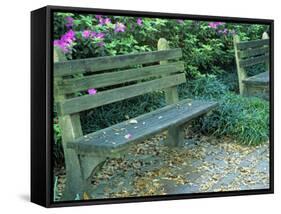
96 35
68 37
139 22
69 21
101 21
128 136
107 21
63 46
56 42
180 21
215 25
119 27
212 25
224 31
86 34
65 42
93 34
92 91
104 21
99 35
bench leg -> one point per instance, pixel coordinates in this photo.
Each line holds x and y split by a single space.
78 174
89 166
175 137
74 180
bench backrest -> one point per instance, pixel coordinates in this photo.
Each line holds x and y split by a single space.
249 53
115 78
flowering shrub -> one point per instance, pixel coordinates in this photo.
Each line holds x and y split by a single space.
65 42
207 46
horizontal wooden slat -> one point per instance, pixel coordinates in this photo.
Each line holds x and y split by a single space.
252 44
254 61
86 102
253 52
112 62
114 78
112 139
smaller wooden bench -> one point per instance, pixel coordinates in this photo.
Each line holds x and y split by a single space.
250 53
118 78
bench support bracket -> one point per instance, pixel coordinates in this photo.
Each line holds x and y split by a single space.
175 137
74 181
175 134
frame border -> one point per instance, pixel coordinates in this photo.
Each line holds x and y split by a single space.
49 106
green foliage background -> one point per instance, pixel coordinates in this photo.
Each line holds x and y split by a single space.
205 49
209 62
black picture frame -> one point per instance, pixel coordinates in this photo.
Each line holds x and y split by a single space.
42 104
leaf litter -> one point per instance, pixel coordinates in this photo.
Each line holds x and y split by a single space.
206 164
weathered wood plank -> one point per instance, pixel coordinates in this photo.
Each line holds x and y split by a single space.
266 36
252 44
240 70
261 91
175 135
112 62
113 139
254 52
254 61
71 129
260 79
86 102
113 78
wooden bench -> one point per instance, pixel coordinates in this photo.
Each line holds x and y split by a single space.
141 73
249 53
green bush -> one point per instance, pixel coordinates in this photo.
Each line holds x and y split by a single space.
245 119
57 146
113 113
205 87
207 46
230 79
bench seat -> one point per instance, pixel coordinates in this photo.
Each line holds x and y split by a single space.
261 79
113 139
257 85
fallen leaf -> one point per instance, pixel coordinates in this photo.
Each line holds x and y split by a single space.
128 136
86 196
133 121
